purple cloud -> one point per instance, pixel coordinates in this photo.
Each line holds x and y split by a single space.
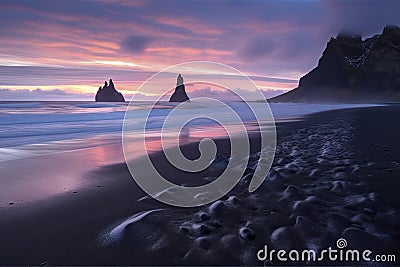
226 95
262 38
136 43
43 95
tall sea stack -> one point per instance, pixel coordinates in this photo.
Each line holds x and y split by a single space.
180 94
108 93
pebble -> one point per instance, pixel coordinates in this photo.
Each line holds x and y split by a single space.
247 234
339 169
229 240
284 238
302 212
233 200
273 175
184 229
292 168
201 229
203 242
292 191
218 207
216 224
358 238
204 216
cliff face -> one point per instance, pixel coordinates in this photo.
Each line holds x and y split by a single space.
179 94
108 93
353 70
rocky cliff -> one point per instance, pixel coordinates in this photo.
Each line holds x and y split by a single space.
353 70
180 94
108 93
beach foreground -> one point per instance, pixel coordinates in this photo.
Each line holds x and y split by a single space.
335 175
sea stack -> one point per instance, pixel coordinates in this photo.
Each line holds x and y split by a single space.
108 93
180 94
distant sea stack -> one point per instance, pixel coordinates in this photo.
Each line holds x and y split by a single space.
353 70
180 94
108 93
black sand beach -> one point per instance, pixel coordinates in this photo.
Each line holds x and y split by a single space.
335 175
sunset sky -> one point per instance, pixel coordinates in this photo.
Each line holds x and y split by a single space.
66 49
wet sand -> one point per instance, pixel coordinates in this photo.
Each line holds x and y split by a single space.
335 175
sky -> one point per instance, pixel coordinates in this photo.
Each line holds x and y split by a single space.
64 50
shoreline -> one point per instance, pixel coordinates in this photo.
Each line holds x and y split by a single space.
66 231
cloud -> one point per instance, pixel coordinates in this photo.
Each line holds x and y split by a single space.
227 95
48 76
257 48
42 95
260 38
268 93
62 95
272 79
365 17
136 43
289 48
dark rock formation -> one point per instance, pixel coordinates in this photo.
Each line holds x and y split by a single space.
108 93
353 70
180 94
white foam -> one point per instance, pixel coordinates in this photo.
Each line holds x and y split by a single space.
117 233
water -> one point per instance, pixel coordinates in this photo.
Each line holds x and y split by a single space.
45 147
28 123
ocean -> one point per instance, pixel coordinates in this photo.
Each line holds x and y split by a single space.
37 128
48 148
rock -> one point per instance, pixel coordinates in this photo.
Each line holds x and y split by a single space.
201 229
229 241
204 216
274 175
108 93
194 229
292 192
351 69
359 238
247 234
302 207
216 224
203 242
292 168
339 169
285 238
233 200
180 94
217 208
